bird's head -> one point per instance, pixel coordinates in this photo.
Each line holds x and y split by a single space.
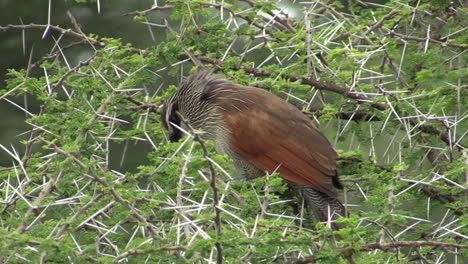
171 120
188 101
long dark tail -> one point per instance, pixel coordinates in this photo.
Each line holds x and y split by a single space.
325 208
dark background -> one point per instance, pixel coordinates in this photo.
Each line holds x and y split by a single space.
110 22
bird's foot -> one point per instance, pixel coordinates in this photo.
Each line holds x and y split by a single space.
237 178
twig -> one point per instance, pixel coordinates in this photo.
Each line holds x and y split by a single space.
379 23
66 32
143 252
359 115
284 22
85 207
434 41
217 219
145 12
386 247
73 70
104 183
309 81
44 193
401 243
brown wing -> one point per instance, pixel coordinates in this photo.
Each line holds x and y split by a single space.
276 137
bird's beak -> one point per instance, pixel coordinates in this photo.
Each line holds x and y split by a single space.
171 122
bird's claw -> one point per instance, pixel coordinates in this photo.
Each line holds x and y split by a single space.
237 178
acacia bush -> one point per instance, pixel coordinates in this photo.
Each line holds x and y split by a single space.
386 83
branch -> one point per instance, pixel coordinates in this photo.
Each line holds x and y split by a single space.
371 5
444 199
442 136
66 32
327 87
104 183
309 81
83 39
379 23
389 246
73 70
217 219
385 247
435 41
282 26
46 191
141 252
55 54
371 27
358 115
246 18
85 207
285 23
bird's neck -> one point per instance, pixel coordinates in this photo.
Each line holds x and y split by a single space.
205 117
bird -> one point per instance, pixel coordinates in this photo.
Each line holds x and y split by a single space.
261 133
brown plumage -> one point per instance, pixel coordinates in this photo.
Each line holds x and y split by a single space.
262 133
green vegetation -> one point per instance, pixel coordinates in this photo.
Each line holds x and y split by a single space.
387 83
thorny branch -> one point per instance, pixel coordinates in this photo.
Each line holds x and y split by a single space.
328 87
256 72
387 247
66 32
214 188
434 41
72 71
375 35
312 82
105 184
145 252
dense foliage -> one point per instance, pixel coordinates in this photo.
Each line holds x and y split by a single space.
387 83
